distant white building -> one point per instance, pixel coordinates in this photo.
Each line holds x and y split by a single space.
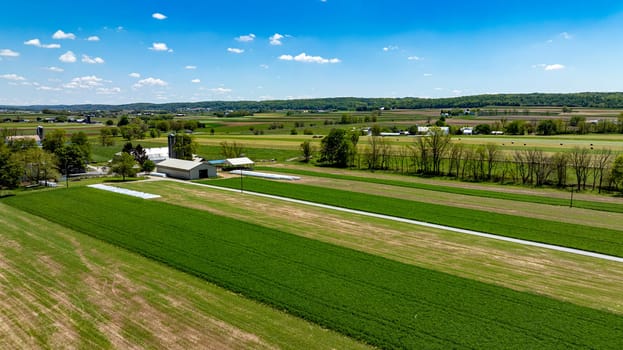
35 138
426 130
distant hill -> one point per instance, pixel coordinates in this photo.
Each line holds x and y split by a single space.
584 99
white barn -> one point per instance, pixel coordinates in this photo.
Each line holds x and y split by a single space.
186 169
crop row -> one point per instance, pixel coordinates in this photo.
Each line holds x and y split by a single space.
380 301
584 204
595 239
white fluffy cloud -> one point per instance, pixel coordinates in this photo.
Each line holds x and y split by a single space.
414 58
55 69
37 43
92 60
246 38
190 67
221 90
8 53
566 36
390 48
134 75
48 88
150 82
555 66
86 82
59 35
235 50
68 57
12 77
159 16
305 58
160 47
196 81
108 91
548 67
275 39
93 38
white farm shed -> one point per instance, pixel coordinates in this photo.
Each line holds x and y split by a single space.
186 169
242 162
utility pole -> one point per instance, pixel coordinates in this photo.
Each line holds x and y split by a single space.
240 180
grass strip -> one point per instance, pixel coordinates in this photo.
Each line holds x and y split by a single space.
380 301
584 204
595 239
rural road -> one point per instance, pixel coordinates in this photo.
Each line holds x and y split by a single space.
418 223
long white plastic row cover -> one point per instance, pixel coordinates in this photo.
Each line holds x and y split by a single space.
125 191
264 175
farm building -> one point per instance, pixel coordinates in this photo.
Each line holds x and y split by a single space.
467 130
425 130
186 169
23 138
239 163
157 154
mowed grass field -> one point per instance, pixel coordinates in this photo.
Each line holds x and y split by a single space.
381 301
596 239
581 280
60 288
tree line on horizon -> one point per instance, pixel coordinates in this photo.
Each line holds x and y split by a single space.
583 99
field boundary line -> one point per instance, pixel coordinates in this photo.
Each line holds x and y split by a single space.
418 223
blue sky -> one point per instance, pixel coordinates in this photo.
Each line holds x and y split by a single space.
125 51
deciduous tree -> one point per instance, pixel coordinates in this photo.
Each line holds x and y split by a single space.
123 165
335 149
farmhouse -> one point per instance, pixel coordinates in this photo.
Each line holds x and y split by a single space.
186 169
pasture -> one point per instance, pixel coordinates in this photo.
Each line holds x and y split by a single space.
380 301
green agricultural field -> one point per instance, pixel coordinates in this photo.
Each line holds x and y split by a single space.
581 280
601 240
542 199
383 302
63 289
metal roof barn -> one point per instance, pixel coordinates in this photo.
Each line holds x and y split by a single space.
242 162
186 169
